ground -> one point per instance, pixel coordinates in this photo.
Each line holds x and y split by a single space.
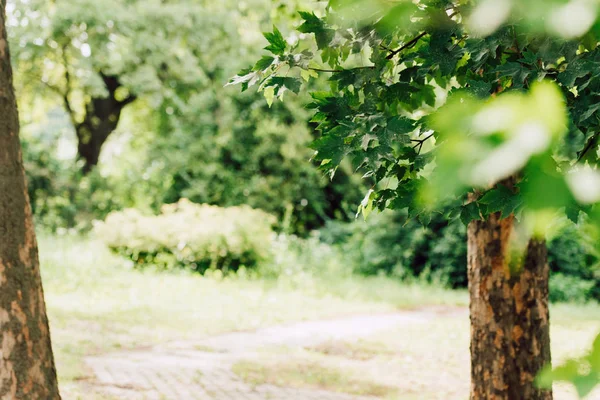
125 334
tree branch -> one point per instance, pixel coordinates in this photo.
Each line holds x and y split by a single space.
129 99
420 142
65 95
339 70
593 140
414 40
406 45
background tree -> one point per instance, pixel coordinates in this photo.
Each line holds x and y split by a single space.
186 136
514 156
248 155
27 365
98 58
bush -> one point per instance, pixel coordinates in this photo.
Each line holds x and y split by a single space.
199 237
61 197
389 243
299 261
569 254
570 288
254 155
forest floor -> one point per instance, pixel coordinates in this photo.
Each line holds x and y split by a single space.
125 334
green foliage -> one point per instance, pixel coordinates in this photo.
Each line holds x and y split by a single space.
65 45
583 372
493 91
61 198
392 244
188 235
383 72
185 136
301 262
573 266
569 288
229 149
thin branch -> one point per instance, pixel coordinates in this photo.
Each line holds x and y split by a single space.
384 47
588 146
406 45
339 70
129 99
413 41
67 92
420 142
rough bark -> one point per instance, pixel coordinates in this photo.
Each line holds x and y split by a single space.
26 362
510 340
101 118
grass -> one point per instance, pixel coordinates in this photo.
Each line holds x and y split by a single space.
361 350
97 305
308 374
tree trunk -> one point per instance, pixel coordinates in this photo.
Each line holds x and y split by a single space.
102 115
90 140
26 362
510 339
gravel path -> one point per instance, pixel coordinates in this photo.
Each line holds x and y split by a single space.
202 369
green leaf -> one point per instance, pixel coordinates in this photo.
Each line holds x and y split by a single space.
331 148
470 212
545 188
572 213
306 74
479 88
269 94
516 71
245 78
501 199
313 24
281 84
399 124
264 63
277 43
366 205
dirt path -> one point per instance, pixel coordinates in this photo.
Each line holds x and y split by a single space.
202 369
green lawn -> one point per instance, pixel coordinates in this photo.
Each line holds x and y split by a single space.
96 304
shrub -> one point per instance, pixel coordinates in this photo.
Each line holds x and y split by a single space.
185 234
390 243
299 261
570 288
570 254
61 197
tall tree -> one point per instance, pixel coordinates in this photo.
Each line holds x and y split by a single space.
26 365
99 58
439 104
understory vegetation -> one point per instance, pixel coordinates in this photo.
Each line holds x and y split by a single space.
219 240
386 244
183 135
98 303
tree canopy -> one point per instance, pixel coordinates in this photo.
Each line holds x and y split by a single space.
97 58
465 108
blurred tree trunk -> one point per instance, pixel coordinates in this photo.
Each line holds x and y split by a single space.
26 363
102 115
510 340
